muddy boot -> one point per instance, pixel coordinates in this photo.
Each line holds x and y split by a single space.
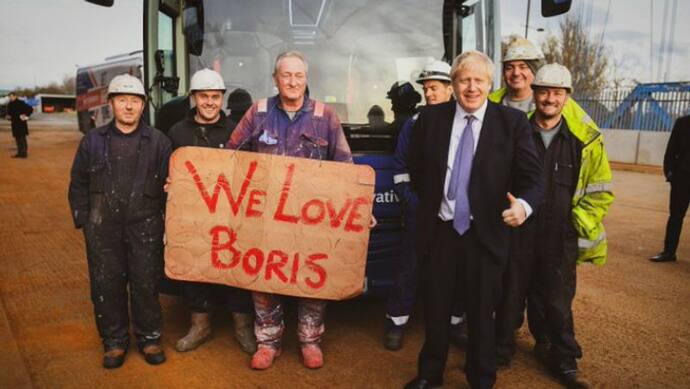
114 358
153 353
244 331
198 333
263 358
312 356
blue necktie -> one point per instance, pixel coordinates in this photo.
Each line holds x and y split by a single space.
460 178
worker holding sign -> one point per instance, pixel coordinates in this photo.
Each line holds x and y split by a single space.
290 124
207 126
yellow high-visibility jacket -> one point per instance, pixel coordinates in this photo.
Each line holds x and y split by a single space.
594 190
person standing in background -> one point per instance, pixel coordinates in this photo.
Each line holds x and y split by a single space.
677 172
18 113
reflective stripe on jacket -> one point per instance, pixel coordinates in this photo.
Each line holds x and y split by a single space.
594 190
314 132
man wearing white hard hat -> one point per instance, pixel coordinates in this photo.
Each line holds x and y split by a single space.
520 63
567 229
436 83
207 126
116 196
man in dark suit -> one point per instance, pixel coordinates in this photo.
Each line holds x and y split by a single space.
677 172
467 155
18 113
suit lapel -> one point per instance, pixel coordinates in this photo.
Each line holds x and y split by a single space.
444 132
485 135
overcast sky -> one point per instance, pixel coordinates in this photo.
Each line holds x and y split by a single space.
43 41
627 32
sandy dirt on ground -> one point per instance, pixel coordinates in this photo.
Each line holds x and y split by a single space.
632 317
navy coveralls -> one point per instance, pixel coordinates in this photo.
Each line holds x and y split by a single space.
123 232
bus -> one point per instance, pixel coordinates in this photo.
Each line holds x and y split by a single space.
356 50
92 82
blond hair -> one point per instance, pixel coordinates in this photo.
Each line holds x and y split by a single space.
472 57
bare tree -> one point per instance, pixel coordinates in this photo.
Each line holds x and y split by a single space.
586 58
69 85
66 87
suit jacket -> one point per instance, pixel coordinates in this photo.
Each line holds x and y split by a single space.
677 157
505 160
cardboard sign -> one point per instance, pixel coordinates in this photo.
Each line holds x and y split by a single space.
269 223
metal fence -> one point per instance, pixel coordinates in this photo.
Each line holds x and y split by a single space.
648 107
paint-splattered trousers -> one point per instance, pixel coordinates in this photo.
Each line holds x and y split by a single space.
269 324
122 254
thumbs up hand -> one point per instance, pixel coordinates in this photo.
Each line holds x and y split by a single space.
516 214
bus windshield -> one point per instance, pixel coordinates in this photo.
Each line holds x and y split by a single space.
356 49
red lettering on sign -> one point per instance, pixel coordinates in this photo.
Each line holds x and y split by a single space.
337 218
258 261
320 212
255 199
320 271
276 262
275 267
216 247
221 183
354 215
280 214
295 268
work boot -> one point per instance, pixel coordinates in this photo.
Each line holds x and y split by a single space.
663 257
393 339
312 355
153 353
263 357
571 379
244 331
114 358
199 332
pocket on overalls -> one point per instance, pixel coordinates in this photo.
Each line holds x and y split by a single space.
314 146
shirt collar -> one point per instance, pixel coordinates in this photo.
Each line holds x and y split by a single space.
478 114
559 127
307 105
145 130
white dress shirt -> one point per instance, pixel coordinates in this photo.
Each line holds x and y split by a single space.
447 209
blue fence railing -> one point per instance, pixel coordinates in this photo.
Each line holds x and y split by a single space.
649 107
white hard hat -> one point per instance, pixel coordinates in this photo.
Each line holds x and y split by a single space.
206 79
522 49
435 70
554 75
126 84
